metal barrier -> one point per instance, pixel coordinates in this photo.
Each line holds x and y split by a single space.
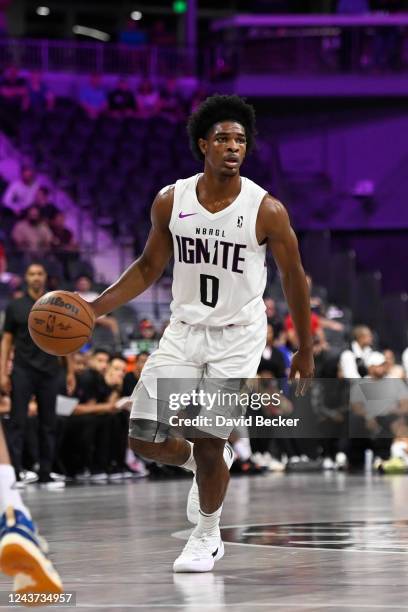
84 57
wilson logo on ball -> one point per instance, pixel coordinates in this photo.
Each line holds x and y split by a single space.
59 302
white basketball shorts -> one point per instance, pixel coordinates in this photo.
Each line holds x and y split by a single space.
193 353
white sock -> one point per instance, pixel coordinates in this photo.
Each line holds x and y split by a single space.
8 495
190 464
208 523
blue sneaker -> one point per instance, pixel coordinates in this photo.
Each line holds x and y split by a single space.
23 554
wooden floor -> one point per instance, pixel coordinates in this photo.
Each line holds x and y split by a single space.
296 542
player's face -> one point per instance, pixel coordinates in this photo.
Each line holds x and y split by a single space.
225 147
36 278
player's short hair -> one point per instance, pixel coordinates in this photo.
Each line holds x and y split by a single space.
220 108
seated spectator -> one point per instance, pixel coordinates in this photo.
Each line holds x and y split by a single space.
353 361
31 235
160 36
374 411
171 103
63 238
147 339
132 34
92 97
3 260
404 359
393 370
21 192
121 101
13 88
147 99
199 96
272 359
132 378
316 330
43 200
83 286
272 315
39 97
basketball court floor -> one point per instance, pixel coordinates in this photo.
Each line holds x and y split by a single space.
293 542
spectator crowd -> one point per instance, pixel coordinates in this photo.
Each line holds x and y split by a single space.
78 431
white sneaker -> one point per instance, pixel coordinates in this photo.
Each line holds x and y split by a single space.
200 554
275 465
99 477
341 461
28 477
328 464
193 500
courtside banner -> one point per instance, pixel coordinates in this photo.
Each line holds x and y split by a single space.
265 407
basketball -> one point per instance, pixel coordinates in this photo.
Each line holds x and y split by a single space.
60 322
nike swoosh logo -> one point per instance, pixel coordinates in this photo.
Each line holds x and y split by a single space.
181 216
215 552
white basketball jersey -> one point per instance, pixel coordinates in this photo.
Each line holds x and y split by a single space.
219 271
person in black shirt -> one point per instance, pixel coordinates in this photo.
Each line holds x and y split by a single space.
272 359
132 378
34 373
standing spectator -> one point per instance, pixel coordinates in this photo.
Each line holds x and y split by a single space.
21 192
147 99
171 104
353 361
13 88
39 97
121 100
92 97
34 373
132 378
32 235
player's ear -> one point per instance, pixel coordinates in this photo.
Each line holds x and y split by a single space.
202 143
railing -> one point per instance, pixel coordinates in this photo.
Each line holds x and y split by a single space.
308 44
84 57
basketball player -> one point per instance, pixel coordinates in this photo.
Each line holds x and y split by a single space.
218 226
23 553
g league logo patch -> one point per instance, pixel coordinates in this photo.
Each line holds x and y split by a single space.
240 221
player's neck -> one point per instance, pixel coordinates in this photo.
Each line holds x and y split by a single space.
218 186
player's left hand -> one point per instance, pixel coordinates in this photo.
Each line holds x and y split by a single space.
302 370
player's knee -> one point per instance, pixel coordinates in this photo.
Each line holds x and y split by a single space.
147 450
208 452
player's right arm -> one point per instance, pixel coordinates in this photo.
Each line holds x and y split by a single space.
149 267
